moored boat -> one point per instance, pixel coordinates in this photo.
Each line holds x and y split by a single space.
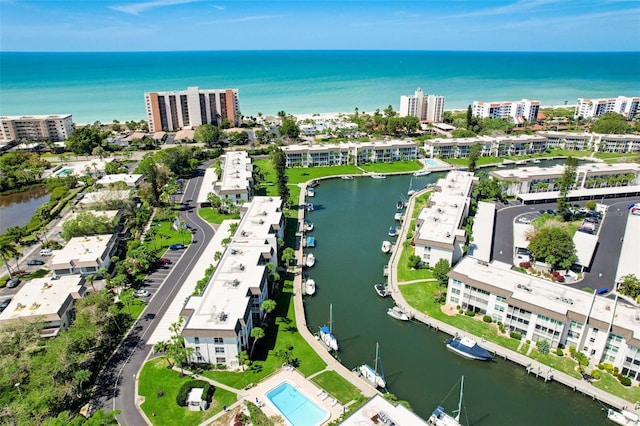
310 260
397 313
371 374
310 287
346 177
309 242
400 205
624 417
468 348
378 176
393 232
381 289
311 192
439 417
309 207
536 161
307 226
423 172
314 183
326 333
386 246
398 216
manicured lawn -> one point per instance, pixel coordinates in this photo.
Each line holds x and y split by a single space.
281 336
212 215
336 386
482 161
566 364
616 155
166 236
395 167
160 385
406 274
302 174
610 384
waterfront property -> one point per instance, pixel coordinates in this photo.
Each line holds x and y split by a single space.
173 110
628 261
297 408
518 112
54 128
424 107
219 322
131 180
106 197
439 233
380 411
47 301
353 152
606 330
236 182
593 108
83 255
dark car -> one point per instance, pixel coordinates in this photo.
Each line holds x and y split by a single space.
13 282
542 212
551 212
594 214
591 219
32 262
164 261
176 246
4 304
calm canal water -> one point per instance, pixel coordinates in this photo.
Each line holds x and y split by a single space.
351 220
17 209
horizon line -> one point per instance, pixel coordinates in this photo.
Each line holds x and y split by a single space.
320 50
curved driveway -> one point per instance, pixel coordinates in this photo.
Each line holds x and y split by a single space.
115 386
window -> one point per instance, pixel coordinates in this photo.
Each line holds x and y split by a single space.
219 350
221 360
592 340
501 299
196 340
499 308
217 340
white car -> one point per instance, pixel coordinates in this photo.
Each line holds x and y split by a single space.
524 220
142 293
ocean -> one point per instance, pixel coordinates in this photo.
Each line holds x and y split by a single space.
107 86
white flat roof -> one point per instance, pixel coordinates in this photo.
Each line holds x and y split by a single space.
106 195
585 247
129 179
483 223
35 117
629 263
209 179
591 192
591 169
237 172
43 297
82 251
377 408
520 232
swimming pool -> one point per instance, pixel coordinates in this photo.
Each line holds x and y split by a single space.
295 407
430 162
64 172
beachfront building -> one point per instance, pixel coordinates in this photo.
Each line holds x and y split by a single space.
604 329
49 302
218 323
53 128
519 112
173 110
235 182
352 152
533 179
592 108
426 107
83 255
439 233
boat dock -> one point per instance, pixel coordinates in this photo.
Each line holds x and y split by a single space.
533 367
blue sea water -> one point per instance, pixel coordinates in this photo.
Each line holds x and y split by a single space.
107 86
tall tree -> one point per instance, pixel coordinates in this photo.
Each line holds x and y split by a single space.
474 154
257 333
208 134
553 245
566 182
279 160
470 122
441 272
8 250
156 177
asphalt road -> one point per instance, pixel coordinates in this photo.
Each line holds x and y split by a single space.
115 385
605 260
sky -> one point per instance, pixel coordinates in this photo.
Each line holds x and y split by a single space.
167 25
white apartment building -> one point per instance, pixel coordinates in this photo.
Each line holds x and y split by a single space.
603 329
174 110
83 255
353 152
592 108
438 232
236 182
518 111
425 107
218 324
55 128
48 301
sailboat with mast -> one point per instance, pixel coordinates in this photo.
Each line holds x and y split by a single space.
440 418
411 191
372 375
326 333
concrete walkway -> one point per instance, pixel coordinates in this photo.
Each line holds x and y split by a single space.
532 366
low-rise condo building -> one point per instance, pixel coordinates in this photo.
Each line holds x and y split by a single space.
49 302
346 153
83 255
131 180
605 329
628 261
424 107
439 233
54 128
174 110
236 182
592 108
218 323
518 112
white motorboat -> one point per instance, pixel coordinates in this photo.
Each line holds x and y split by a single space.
309 207
326 333
346 177
381 289
400 205
311 192
371 374
398 216
397 313
386 246
310 260
393 232
441 418
423 172
536 161
378 176
411 191
521 162
307 226
310 287
468 348
502 166
624 417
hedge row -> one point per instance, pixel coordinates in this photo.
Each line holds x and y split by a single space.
207 393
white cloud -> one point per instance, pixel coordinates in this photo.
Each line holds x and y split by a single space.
218 7
516 7
137 8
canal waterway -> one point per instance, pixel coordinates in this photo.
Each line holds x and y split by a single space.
352 219
17 209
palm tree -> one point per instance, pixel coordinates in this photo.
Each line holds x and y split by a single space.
91 278
257 333
8 250
268 306
243 357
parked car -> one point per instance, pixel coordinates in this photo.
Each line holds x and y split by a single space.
602 290
525 220
164 261
46 252
4 304
551 212
32 262
176 246
13 283
591 219
141 293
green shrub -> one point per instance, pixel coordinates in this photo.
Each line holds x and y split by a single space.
543 346
559 352
501 327
596 374
600 366
181 398
515 335
470 313
625 381
487 318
